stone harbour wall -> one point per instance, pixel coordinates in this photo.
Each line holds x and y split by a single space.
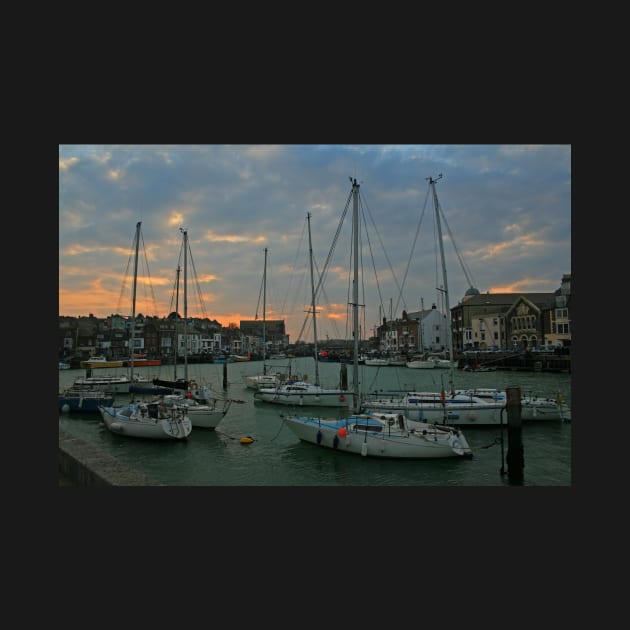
85 465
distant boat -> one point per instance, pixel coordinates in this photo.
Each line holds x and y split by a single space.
377 361
100 362
266 378
419 362
140 360
64 366
115 383
82 399
300 393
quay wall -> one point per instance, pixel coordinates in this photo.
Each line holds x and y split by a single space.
529 362
85 465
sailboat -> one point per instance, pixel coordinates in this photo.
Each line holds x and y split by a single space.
384 435
301 392
204 408
266 379
143 420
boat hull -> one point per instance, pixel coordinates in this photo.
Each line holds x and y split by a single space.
117 384
174 427
204 416
461 412
424 441
137 363
101 364
84 401
304 398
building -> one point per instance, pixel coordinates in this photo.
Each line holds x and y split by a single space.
513 321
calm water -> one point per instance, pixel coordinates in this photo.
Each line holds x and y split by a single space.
278 458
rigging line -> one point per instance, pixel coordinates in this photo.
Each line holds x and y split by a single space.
415 241
126 275
202 305
364 204
150 287
461 260
326 267
333 245
260 291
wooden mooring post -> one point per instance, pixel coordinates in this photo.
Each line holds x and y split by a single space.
515 459
225 380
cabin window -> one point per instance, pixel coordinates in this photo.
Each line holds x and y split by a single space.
375 428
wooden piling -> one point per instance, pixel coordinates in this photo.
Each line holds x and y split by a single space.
515 459
344 376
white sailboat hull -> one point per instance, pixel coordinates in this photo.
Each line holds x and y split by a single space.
264 380
462 410
138 425
300 395
380 438
205 416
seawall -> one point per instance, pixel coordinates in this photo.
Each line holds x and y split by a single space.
85 465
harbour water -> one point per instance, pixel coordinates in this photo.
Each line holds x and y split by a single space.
276 457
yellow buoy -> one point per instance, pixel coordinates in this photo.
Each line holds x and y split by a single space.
246 440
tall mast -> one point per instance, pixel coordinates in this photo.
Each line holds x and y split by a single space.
176 317
310 250
449 341
264 314
133 301
421 325
185 233
355 294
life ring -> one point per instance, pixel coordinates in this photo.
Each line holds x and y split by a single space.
342 398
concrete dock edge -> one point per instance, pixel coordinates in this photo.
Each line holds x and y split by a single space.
85 465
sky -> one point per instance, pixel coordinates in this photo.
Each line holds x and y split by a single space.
505 213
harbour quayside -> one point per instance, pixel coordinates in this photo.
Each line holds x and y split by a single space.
372 434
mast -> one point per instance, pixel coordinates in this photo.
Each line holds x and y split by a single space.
264 314
355 294
421 325
310 250
133 301
449 341
176 318
185 233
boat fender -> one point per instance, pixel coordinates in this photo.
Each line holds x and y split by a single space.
455 443
342 398
336 441
364 449
319 437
